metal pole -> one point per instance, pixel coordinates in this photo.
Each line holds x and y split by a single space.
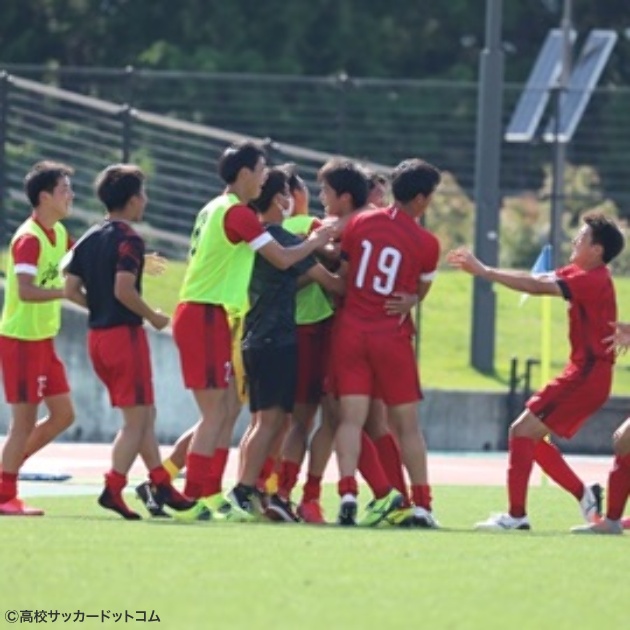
487 194
560 147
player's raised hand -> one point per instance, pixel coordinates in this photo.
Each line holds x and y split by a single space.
154 264
321 235
464 259
159 321
619 340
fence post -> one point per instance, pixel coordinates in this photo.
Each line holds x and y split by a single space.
343 83
126 113
4 104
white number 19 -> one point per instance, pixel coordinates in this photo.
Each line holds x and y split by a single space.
388 264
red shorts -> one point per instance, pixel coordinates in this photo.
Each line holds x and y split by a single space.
202 335
376 363
121 359
566 403
313 346
31 370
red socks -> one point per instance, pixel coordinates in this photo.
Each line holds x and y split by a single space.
550 459
618 487
312 488
265 473
371 469
421 496
289 472
389 454
347 485
8 486
217 468
197 474
521 461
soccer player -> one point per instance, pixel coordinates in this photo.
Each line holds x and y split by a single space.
565 403
104 274
619 477
270 350
225 239
386 252
31 318
313 316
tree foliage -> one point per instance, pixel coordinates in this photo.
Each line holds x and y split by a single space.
416 39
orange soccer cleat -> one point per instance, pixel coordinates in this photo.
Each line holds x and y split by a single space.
311 512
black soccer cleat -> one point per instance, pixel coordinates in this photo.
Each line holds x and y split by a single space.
146 494
347 514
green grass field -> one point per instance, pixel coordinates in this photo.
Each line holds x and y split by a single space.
446 330
219 575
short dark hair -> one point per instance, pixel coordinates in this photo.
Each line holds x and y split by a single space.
44 177
293 179
239 156
605 232
275 183
412 178
117 183
344 176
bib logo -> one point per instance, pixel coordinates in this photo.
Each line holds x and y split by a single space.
50 274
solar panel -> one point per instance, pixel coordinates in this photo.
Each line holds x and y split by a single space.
531 105
582 82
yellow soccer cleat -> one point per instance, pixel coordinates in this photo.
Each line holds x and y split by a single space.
379 509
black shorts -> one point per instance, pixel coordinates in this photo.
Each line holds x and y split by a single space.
271 376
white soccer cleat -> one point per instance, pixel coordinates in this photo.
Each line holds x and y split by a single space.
503 522
603 526
591 503
424 518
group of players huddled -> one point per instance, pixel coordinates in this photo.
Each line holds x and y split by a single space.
296 315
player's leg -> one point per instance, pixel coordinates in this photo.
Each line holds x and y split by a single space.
57 399
320 450
202 335
618 487
271 374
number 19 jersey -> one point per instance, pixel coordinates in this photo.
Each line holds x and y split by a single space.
387 252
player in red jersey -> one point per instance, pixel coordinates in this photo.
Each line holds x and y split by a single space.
563 406
385 252
618 488
31 317
104 275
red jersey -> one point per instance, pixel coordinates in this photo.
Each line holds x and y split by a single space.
387 252
592 306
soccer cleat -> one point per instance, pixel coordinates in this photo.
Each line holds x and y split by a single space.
280 510
116 503
17 507
424 519
165 493
145 492
602 526
242 509
260 501
503 522
311 512
198 512
347 512
402 517
379 509
591 503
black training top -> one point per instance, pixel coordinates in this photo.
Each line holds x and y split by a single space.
272 291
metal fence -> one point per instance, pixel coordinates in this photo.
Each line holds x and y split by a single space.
382 121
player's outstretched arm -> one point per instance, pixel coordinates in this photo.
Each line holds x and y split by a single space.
154 264
73 290
285 257
521 281
329 281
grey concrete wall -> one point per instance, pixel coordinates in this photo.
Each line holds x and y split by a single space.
452 420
